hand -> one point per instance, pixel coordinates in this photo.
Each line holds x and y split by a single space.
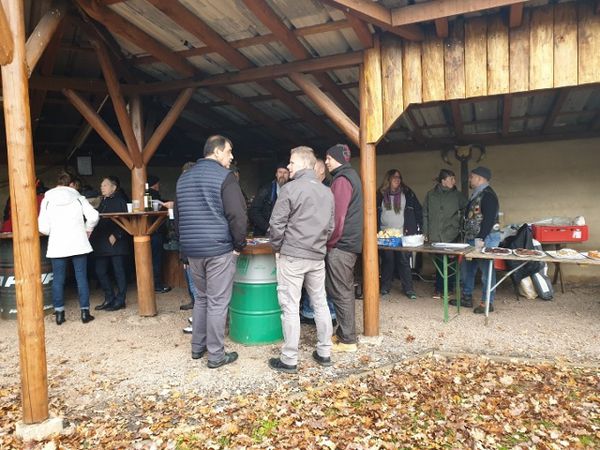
169 204
236 253
112 239
479 243
276 255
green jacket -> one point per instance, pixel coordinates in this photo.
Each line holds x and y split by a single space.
442 214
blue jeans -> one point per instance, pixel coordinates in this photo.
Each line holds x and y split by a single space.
105 281
306 310
59 267
190 284
470 268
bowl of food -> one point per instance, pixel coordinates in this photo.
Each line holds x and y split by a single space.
415 240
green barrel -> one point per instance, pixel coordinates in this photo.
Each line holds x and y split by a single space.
254 313
8 293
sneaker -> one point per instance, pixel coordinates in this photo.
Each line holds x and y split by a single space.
411 295
190 320
481 308
276 364
187 330
384 292
307 320
187 306
437 295
322 360
198 355
227 359
341 347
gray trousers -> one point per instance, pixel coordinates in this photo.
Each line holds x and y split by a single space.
340 288
292 273
213 279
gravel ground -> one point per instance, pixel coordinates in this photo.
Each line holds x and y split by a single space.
124 355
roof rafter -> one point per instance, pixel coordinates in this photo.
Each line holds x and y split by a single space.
264 13
423 12
379 15
184 18
515 15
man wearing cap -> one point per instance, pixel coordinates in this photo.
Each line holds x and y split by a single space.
481 229
344 245
262 205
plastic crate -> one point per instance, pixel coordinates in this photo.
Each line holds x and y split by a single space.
554 233
390 242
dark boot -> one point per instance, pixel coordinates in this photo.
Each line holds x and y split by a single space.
86 316
60 317
116 307
105 304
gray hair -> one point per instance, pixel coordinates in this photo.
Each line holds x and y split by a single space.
307 156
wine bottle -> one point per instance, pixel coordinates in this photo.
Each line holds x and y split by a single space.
147 199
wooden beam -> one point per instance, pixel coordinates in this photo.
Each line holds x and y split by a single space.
559 101
58 83
114 89
166 125
565 44
331 110
506 113
416 132
262 39
541 38
24 214
6 39
441 27
361 29
85 128
391 78
515 15
133 34
368 173
454 61
371 93
377 14
42 34
257 73
187 20
264 13
423 12
88 112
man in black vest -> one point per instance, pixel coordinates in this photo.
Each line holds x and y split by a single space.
344 245
211 218
262 205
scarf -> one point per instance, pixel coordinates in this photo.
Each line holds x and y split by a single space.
387 200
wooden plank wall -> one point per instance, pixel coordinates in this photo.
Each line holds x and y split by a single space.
556 46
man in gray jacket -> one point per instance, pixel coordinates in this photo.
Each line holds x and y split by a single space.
300 225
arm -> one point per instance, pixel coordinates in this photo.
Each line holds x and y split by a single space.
235 211
331 225
426 215
256 208
418 213
91 215
279 220
342 193
43 221
489 210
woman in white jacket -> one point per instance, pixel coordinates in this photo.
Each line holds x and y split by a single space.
62 215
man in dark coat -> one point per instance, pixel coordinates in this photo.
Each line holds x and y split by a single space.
262 205
157 240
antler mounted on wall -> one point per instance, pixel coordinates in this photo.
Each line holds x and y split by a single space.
464 153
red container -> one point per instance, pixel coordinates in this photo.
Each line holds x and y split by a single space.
554 233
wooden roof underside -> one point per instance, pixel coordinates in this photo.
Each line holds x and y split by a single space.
236 54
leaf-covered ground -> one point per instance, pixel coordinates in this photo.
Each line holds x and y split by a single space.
431 402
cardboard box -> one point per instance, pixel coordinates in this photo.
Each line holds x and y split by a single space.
554 233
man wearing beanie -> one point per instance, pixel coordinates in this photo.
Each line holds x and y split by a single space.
262 205
344 245
481 229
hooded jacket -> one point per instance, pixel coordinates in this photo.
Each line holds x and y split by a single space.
66 217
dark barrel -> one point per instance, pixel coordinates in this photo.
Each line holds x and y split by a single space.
8 293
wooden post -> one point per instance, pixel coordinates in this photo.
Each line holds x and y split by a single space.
26 241
6 41
370 130
141 244
42 34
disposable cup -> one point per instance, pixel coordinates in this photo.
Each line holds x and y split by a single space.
135 204
129 207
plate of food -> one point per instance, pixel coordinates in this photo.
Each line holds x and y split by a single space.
528 253
498 251
592 254
565 253
458 245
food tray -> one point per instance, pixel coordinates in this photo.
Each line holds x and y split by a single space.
554 254
530 253
390 242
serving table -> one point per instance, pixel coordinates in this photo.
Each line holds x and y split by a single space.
446 270
141 225
477 254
